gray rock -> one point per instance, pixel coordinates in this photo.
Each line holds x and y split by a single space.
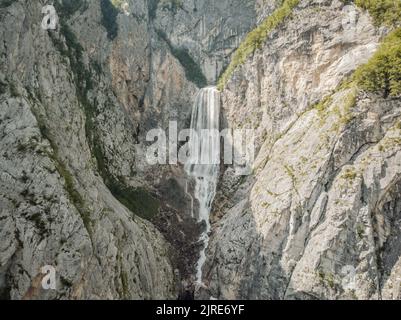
319 217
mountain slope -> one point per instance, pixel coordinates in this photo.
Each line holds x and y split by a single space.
320 215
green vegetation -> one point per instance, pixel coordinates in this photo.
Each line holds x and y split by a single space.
327 278
384 12
349 174
382 74
256 38
348 102
192 70
290 171
360 230
323 104
110 11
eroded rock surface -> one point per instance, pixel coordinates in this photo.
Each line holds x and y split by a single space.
319 216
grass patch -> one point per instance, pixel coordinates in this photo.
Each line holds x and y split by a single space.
323 104
327 278
380 75
290 171
349 174
256 38
348 103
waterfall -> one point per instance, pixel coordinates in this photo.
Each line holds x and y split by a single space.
205 170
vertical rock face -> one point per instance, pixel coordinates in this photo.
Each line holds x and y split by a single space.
208 30
76 191
319 216
57 111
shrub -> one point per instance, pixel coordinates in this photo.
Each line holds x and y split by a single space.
384 12
382 73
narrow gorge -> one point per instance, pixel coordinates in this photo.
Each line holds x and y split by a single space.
88 87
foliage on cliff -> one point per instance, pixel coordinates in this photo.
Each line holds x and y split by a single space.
382 74
384 12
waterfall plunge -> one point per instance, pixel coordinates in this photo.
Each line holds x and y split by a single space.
205 115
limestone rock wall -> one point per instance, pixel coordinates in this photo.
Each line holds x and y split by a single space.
319 216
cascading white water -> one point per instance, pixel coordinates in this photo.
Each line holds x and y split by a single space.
205 124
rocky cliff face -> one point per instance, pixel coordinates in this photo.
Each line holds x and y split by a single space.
76 103
208 30
319 216
58 112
